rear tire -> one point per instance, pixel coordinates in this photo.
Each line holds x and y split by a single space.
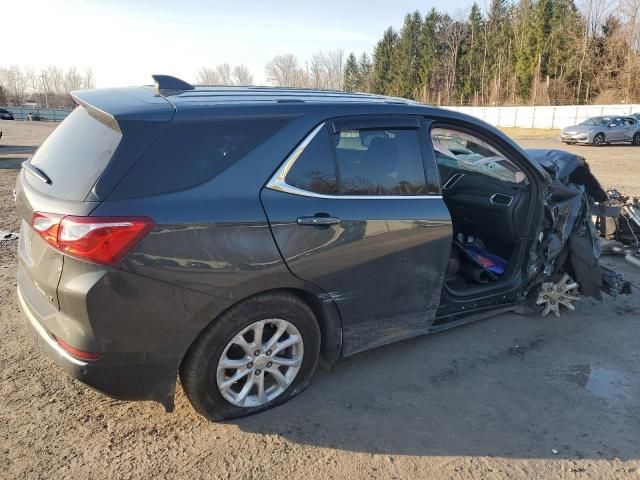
599 140
203 374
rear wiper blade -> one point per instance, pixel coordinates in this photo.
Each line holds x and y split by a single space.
36 172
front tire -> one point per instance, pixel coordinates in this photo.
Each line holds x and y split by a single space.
257 355
599 140
636 139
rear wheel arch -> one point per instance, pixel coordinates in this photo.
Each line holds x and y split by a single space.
325 312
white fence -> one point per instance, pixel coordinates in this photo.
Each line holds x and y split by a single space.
544 117
46 114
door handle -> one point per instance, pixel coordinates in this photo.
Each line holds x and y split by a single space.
318 221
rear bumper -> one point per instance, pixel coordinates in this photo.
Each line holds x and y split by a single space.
117 379
141 327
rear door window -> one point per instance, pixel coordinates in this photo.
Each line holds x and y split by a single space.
75 154
380 162
314 170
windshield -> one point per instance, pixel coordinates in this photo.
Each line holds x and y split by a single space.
596 121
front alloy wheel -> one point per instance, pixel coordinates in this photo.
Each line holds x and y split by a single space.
260 363
598 140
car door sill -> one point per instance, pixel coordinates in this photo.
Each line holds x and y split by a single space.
468 317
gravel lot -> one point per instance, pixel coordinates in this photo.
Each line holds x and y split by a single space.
494 399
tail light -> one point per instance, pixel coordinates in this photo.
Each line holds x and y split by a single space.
97 239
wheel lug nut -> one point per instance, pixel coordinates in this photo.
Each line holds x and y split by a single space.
269 364
268 352
258 372
250 365
256 353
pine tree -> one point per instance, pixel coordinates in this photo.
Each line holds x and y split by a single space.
383 61
472 57
351 74
406 62
429 55
365 70
518 51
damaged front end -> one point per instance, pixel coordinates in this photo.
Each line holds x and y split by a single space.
568 245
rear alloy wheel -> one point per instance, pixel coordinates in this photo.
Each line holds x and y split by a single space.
636 139
258 354
598 140
260 363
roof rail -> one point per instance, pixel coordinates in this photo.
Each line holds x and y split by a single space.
167 82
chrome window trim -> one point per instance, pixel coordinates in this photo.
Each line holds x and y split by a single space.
452 180
277 182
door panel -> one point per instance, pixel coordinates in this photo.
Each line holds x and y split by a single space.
630 129
381 260
616 133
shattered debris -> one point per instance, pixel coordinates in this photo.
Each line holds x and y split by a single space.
619 219
618 223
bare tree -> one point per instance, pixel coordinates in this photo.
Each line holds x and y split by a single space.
15 83
54 78
242 75
48 87
72 80
88 81
207 76
223 71
326 69
335 68
285 71
316 71
224 74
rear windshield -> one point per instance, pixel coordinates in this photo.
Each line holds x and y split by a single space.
75 155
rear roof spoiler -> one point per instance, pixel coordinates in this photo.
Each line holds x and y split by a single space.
129 103
167 83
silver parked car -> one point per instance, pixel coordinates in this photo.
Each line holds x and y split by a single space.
603 130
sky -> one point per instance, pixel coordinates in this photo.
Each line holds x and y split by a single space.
124 42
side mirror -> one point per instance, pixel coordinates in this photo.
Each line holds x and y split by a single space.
611 125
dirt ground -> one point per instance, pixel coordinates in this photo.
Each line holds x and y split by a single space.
509 397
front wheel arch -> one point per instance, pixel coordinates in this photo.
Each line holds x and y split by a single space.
599 139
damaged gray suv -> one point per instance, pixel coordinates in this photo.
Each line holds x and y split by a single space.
235 235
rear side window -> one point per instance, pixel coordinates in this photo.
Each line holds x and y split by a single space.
190 153
380 162
314 169
75 154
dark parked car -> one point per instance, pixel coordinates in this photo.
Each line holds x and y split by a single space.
5 114
234 235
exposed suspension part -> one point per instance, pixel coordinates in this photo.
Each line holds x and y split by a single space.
552 295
